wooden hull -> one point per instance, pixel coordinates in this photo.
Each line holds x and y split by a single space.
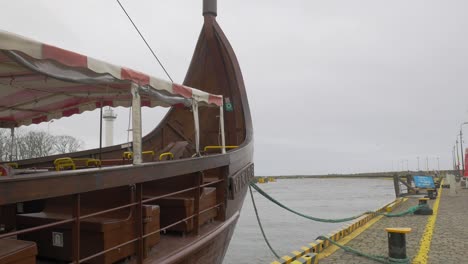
212 247
215 68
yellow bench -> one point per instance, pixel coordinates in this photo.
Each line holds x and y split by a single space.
149 152
64 163
95 162
129 154
89 161
13 165
219 147
169 154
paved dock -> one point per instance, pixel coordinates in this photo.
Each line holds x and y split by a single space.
445 242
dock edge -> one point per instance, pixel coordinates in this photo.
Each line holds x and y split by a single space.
309 254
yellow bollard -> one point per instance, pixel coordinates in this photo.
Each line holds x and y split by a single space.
397 242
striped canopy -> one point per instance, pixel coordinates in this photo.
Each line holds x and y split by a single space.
40 82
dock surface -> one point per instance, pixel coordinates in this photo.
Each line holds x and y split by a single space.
446 241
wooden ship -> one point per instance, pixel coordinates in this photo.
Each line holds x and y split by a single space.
172 196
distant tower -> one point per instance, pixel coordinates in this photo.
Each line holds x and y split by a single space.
109 116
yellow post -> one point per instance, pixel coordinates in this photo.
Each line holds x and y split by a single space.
397 242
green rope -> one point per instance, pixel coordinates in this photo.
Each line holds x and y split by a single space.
260 225
411 210
378 258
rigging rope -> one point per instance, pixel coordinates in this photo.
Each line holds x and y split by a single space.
260 225
338 220
143 38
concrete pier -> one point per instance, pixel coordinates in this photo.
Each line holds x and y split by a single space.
438 238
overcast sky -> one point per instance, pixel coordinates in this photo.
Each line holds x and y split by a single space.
334 86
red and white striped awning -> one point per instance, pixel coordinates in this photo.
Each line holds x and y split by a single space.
40 82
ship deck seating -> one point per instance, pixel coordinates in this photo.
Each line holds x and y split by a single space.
181 206
178 150
14 251
174 150
147 154
13 165
75 163
177 207
97 233
216 149
64 163
86 162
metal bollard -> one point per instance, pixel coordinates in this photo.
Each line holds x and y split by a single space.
423 201
425 210
397 242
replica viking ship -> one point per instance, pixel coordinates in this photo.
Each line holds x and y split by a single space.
172 196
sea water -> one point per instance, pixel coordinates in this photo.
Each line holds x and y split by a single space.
324 198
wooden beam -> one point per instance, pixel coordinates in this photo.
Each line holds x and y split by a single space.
396 185
407 185
179 133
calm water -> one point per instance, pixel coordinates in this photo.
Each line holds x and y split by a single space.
326 198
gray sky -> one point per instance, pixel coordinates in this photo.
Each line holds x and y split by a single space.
334 86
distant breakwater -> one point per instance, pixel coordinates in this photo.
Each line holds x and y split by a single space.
358 175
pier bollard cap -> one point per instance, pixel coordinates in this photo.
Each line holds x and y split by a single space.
400 230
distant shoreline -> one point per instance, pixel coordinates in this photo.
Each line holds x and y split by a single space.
355 175
324 176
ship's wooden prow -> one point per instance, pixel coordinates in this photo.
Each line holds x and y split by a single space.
172 196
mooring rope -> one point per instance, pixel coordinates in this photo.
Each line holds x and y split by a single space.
378 258
410 210
260 225
338 220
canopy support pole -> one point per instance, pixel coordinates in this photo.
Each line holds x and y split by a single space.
221 124
136 125
12 146
197 126
100 134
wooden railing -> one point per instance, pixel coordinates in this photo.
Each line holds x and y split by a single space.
137 207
